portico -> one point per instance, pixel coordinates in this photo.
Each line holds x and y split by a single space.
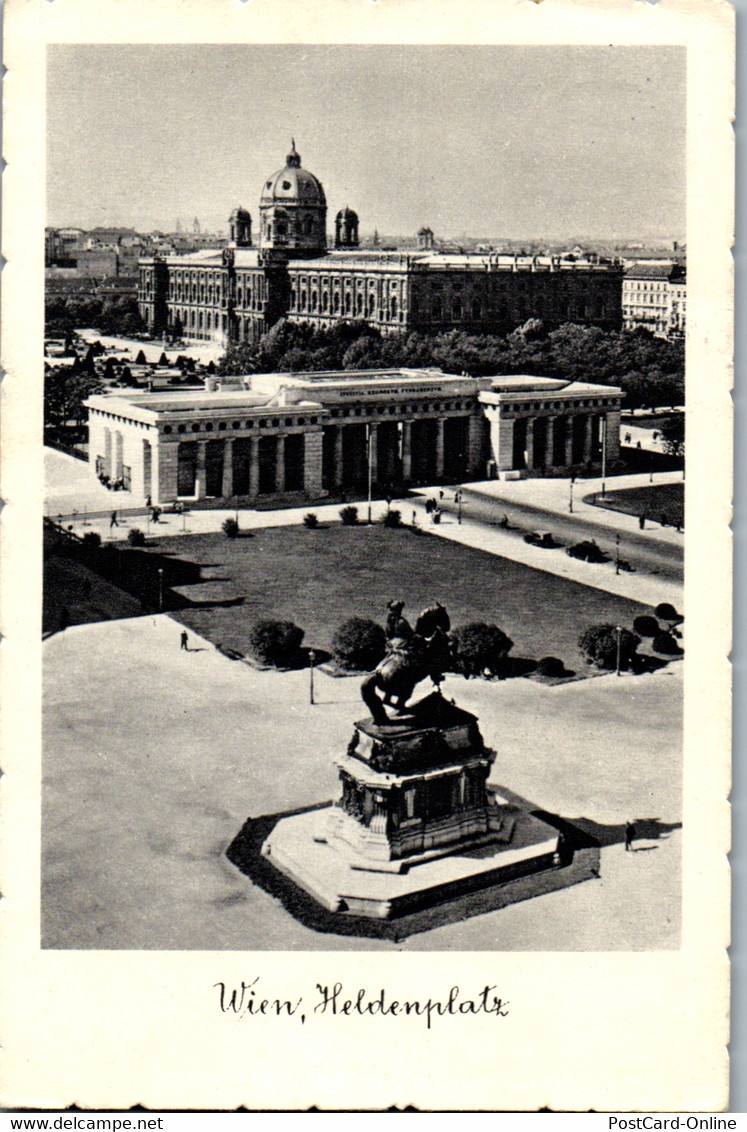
545 426
280 435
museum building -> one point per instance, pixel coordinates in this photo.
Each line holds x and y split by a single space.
238 293
280 435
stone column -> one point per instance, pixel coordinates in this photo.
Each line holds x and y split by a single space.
372 453
253 467
588 437
312 464
476 430
549 442
118 454
280 464
569 441
613 435
227 486
530 443
439 448
108 463
339 462
407 451
200 469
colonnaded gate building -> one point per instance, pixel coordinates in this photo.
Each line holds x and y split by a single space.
285 435
236 294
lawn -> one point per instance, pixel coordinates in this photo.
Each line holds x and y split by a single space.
319 578
655 502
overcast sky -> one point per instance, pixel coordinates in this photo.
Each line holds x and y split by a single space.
485 141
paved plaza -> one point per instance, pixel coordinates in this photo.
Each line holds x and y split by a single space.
155 757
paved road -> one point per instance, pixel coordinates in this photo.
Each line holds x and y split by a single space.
663 559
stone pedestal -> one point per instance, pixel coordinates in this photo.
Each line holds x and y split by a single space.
415 825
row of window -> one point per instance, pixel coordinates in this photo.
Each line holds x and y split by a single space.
208 426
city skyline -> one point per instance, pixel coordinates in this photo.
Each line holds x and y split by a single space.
137 136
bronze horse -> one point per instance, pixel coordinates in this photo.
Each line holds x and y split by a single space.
410 656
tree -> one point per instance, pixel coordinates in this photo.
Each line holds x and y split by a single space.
478 648
359 644
672 432
600 644
65 390
276 642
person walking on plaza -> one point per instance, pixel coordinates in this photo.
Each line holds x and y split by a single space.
629 835
185 640
113 521
642 522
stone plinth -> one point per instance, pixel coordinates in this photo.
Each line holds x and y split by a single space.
415 825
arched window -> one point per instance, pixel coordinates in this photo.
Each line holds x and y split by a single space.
336 302
359 304
393 306
314 301
348 303
325 301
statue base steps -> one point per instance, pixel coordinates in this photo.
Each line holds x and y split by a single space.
305 849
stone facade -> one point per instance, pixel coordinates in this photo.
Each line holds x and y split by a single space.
275 435
238 294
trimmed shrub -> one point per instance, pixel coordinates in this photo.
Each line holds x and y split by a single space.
136 537
359 644
599 645
91 540
276 642
665 644
667 612
646 626
349 516
478 647
230 528
311 521
550 666
392 518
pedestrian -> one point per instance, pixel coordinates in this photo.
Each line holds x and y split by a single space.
388 500
629 835
663 519
147 502
641 522
414 518
113 521
628 438
185 640
441 496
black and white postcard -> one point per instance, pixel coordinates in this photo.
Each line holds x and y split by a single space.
366 581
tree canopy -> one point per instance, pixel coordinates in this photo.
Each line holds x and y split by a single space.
650 370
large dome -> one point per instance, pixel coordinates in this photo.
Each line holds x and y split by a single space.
293 211
293 185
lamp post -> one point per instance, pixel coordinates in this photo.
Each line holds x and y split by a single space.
604 454
459 506
617 554
312 661
570 496
618 634
160 589
369 443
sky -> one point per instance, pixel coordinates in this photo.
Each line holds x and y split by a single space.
501 142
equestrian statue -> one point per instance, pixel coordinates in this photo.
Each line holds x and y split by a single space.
411 655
